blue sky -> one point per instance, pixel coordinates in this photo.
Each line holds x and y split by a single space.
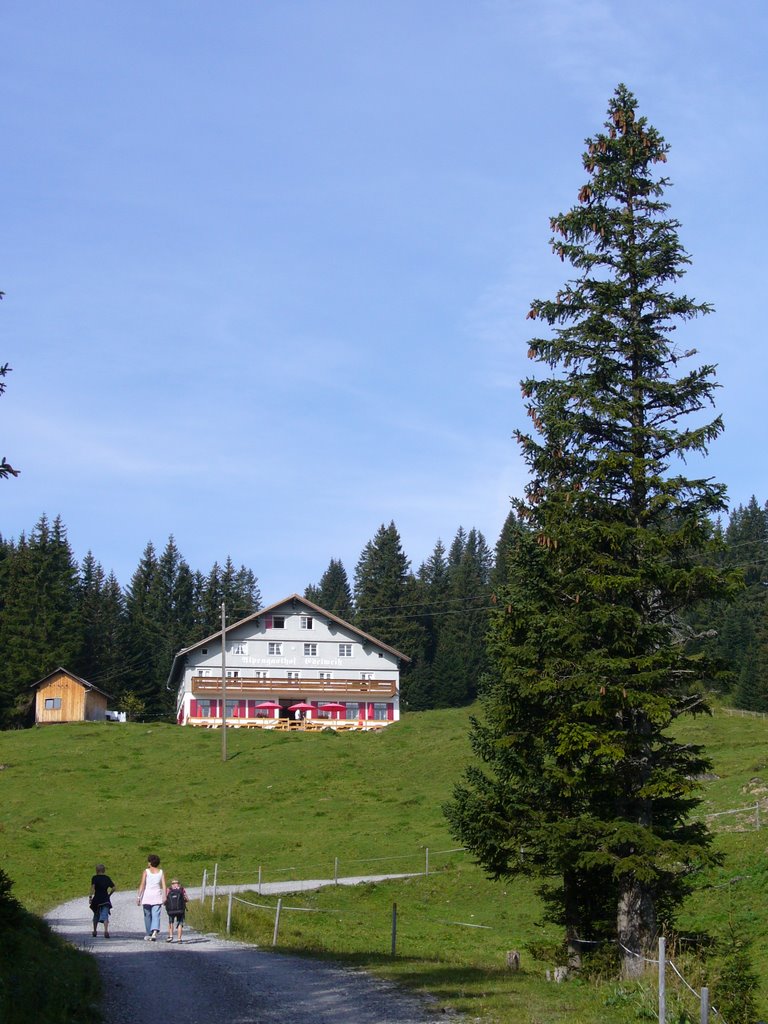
267 264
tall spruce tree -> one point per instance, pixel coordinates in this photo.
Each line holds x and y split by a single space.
147 648
40 625
590 659
386 598
333 592
460 658
746 548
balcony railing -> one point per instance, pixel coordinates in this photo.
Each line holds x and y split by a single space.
306 686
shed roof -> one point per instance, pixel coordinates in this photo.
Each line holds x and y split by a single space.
77 679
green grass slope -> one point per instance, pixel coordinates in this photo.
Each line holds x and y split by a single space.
296 804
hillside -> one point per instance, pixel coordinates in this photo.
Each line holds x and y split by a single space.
301 805
75 794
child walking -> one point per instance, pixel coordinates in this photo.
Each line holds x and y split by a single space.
102 888
176 906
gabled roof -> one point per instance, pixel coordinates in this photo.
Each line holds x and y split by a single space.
83 682
294 599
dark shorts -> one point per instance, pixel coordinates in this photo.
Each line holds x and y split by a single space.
176 919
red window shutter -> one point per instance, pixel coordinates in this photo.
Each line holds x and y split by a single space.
390 712
193 713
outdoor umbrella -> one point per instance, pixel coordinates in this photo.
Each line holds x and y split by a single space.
302 706
269 705
333 707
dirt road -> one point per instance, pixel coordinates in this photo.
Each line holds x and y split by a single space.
207 979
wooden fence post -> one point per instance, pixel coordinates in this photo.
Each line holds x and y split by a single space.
259 879
229 912
335 870
213 890
705 1006
394 928
277 921
426 860
662 980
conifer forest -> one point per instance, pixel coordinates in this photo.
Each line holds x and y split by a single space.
57 611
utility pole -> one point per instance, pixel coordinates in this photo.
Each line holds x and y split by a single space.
223 682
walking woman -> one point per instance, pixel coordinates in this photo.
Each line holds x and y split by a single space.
151 896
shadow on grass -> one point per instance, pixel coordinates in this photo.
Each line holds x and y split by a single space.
444 980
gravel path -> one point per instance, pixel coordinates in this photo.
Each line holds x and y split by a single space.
208 979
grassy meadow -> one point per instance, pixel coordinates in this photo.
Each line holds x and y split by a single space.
295 804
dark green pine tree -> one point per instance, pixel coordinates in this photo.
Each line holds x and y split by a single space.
102 657
460 658
239 591
508 539
148 649
737 624
432 585
578 765
387 601
211 599
112 646
333 592
91 588
40 626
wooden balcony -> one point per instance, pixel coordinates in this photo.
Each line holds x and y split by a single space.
281 686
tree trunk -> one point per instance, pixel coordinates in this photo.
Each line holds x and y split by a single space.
635 925
572 921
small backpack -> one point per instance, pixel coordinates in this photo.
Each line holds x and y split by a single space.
176 901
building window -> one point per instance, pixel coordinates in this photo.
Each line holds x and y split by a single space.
240 647
275 647
353 710
380 712
345 650
293 677
204 650
310 650
203 671
366 675
53 703
232 673
232 706
325 675
278 622
204 708
306 621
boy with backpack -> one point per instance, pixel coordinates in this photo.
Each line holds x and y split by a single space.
175 905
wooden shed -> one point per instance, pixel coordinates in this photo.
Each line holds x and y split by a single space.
64 697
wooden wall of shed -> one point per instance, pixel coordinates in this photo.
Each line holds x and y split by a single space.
95 706
77 703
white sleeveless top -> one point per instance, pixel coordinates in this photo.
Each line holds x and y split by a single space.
153 888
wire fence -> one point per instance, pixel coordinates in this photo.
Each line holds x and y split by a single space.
430 860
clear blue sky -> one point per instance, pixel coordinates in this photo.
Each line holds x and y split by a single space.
267 264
